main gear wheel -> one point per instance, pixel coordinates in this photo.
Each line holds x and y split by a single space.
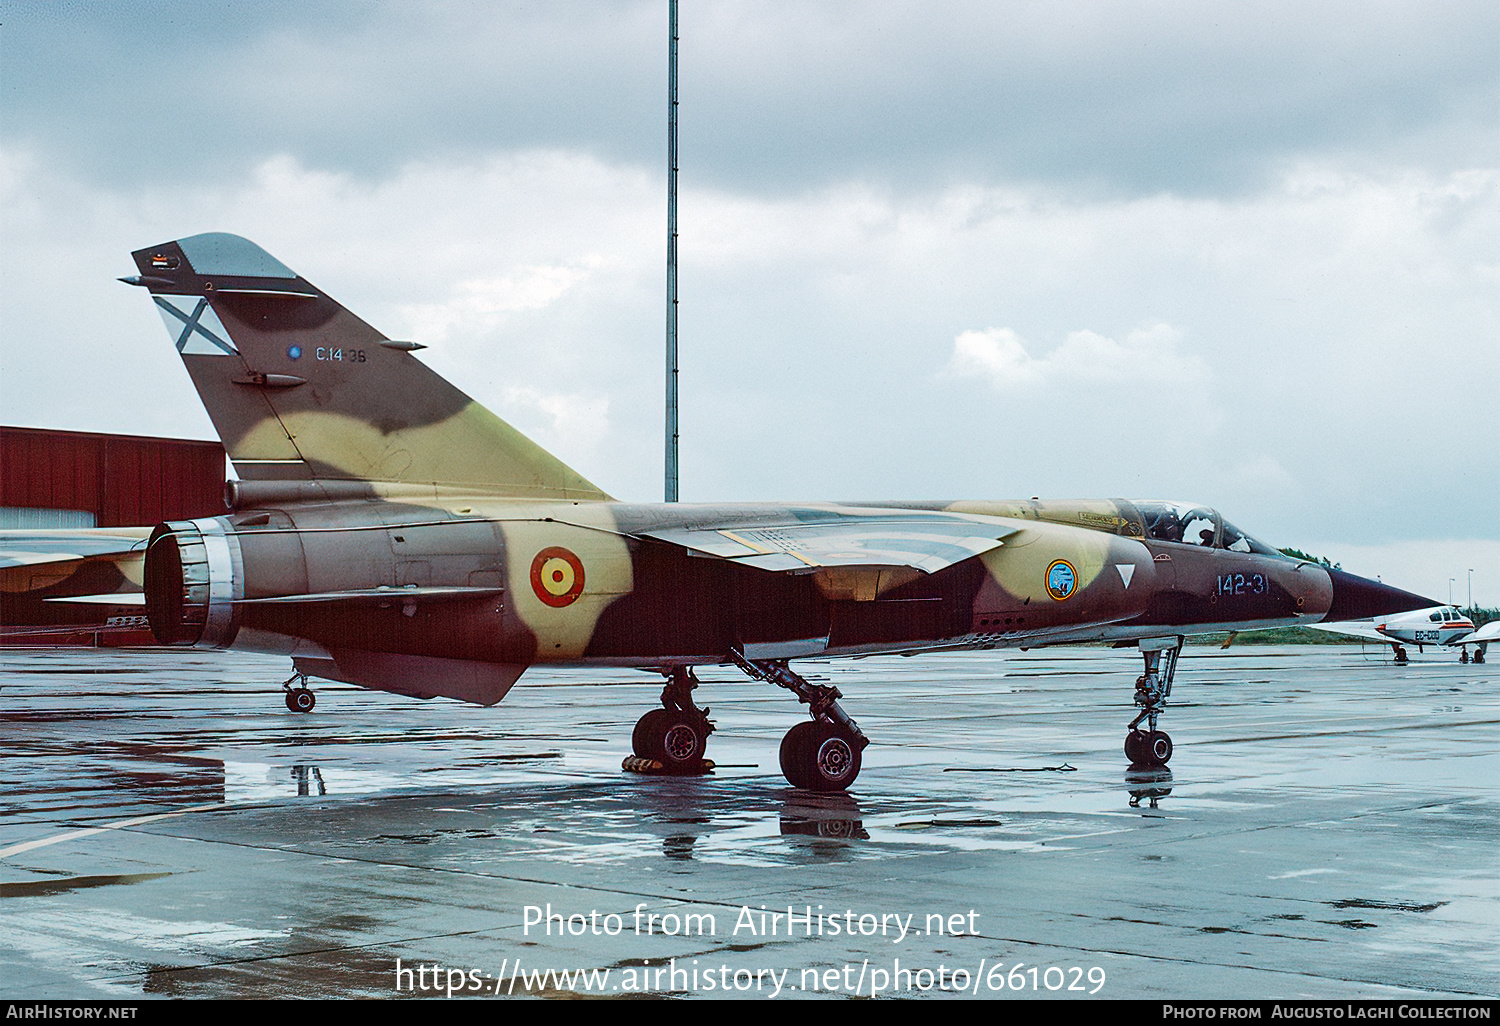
820 756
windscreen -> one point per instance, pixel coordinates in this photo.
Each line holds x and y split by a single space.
1188 524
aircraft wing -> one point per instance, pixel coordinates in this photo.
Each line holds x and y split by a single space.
1484 635
58 583
923 541
1355 629
31 547
98 565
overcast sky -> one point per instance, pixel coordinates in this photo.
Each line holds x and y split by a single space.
1246 255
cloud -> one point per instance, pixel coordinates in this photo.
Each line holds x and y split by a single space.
525 274
779 98
1148 357
572 422
1247 255
479 304
1260 474
1321 342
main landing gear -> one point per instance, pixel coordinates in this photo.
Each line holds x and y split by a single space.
1151 747
299 699
672 739
825 753
822 754
1400 651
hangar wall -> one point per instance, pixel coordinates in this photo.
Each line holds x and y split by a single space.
80 479
72 479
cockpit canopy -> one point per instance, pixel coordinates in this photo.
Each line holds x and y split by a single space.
1184 523
1195 525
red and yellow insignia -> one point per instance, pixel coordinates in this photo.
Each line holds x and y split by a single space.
557 576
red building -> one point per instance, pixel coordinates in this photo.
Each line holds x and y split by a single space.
112 480
74 479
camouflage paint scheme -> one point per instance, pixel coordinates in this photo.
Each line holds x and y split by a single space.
390 532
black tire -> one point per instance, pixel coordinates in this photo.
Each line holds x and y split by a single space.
1158 748
820 756
793 753
301 700
1135 747
645 740
680 739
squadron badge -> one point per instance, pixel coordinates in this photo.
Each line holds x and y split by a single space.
1062 579
557 576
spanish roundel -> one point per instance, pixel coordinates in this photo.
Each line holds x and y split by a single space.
557 576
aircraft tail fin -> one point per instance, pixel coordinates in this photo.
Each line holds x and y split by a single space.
299 388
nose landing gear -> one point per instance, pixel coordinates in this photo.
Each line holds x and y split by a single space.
1152 747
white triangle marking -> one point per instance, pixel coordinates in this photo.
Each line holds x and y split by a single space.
1127 571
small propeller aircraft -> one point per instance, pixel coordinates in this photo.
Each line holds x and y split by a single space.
1441 626
387 531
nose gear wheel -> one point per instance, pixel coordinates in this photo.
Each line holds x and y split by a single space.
1148 747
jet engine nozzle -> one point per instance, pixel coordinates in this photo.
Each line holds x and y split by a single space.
1355 598
190 583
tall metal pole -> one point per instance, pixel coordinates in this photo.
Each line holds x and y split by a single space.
671 461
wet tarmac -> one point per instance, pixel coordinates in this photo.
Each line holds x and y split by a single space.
1329 828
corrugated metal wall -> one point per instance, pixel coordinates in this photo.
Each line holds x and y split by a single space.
122 480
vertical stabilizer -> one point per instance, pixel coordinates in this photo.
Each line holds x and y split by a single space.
299 388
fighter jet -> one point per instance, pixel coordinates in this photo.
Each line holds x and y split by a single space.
389 532
1443 626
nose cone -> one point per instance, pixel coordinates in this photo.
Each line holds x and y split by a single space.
1355 598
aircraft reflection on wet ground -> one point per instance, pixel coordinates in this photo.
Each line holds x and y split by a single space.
1327 829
